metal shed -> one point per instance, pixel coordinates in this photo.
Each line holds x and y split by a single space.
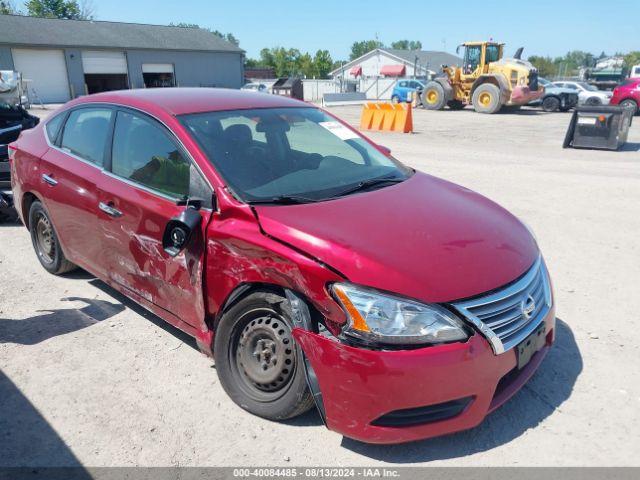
67 58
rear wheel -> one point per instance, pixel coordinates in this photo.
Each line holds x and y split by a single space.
433 97
45 241
630 104
486 99
258 362
551 104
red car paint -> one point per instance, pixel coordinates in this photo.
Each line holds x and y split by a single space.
423 238
629 90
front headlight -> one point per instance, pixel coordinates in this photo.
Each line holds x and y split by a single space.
386 319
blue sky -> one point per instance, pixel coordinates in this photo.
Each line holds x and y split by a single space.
542 26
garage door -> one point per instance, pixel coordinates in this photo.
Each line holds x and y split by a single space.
157 68
47 71
103 61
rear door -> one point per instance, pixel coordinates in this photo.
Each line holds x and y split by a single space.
70 171
149 171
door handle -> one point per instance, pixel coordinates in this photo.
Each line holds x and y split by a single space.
50 180
109 210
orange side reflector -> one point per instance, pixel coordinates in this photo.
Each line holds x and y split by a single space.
358 322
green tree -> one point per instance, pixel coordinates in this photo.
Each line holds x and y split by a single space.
632 58
545 65
322 63
305 66
7 7
360 48
64 9
407 45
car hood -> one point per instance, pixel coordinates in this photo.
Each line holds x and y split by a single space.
424 238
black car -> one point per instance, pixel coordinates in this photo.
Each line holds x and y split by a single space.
13 119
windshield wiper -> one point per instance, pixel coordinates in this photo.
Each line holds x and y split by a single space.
373 182
283 200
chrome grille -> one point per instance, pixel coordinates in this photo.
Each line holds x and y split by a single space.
508 316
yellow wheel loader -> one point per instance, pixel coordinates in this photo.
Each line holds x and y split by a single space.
486 80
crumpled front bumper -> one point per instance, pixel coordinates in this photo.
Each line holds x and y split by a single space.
360 386
523 94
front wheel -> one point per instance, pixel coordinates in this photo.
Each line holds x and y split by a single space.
551 104
433 97
593 102
258 362
486 99
631 105
395 99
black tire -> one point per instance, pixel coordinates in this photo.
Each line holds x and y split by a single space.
455 105
486 99
433 97
593 101
630 104
395 99
551 104
258 362
45 241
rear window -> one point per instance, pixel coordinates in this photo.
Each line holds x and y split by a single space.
53 127
85 133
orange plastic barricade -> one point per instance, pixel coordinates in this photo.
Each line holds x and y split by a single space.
387 117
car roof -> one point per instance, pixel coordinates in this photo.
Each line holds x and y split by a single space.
181 100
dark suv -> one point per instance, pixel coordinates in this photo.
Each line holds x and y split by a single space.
13 119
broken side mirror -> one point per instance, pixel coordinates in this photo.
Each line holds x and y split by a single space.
181 228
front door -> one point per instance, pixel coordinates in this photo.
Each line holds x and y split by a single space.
148 173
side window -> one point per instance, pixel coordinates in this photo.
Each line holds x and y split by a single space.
85 133
53 127
403 84
144 153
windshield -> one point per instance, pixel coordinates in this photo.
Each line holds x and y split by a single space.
544 82
267 154
586 86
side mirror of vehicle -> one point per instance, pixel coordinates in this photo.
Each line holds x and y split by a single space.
179 230
385 150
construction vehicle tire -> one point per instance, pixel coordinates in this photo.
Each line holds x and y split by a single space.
486 99
433 97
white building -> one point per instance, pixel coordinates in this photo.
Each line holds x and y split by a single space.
389 62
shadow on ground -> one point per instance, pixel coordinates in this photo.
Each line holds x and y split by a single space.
549 388
27 438
143 312
51 323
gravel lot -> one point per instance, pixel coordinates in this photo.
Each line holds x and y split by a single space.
89 378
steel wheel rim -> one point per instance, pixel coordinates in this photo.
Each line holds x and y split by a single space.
44 238
263 355
432 96
485 99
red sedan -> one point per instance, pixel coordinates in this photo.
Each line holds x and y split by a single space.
627 94
313 266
